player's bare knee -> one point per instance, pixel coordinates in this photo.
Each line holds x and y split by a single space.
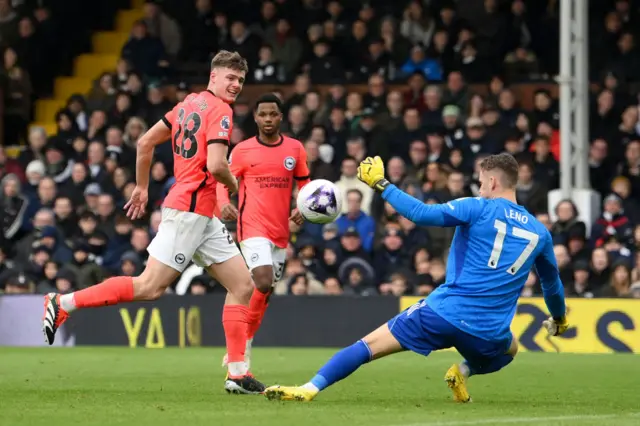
263 278
242 290
382 343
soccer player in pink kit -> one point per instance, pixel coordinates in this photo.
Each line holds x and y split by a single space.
199 130
267 165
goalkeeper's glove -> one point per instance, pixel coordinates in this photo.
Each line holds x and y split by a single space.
371 172
556 326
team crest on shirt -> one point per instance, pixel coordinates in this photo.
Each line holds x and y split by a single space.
289 163
225 123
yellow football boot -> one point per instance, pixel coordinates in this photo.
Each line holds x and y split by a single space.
456 382
289 393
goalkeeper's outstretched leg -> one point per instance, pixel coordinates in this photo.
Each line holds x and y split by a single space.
377 344
418 329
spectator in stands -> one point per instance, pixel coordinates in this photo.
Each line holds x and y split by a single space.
324 68
35 149
160 25
613 221
48 283
8 23
419 63
268 70
297 124
531 194
102 95
348 180
19 283
318 169
455 188
14 205
10 166
390 119
619 283
630 167
355 218
47 192
201 34
244 42
287 48
395 44
417 25
456 92
546 168
567 224
392 256
17 99
621 186
145 52
66 219
521 64
77 107
474 68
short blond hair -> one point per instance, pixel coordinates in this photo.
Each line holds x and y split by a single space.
232 60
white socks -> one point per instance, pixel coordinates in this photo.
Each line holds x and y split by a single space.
310 386
464 369
237 369
67 303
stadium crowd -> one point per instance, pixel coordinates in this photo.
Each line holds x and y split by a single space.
62 197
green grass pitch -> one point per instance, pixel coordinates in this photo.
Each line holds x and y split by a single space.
183 387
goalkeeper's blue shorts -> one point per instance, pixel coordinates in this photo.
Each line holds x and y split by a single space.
421 330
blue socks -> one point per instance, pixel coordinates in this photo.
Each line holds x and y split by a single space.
492 366
342 365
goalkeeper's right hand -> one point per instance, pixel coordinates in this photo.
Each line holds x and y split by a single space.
556 326
371 172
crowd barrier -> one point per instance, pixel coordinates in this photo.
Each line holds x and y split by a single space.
597 325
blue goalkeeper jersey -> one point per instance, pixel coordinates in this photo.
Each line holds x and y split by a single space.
495 246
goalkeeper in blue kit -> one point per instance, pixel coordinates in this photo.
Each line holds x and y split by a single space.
496 243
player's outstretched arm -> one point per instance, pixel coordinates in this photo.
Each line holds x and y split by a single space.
455 213
552 289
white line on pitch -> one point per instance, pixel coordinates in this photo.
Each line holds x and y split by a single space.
517 420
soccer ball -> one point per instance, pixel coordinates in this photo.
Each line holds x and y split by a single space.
320 201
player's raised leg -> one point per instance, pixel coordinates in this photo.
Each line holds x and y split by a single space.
169 254
377 344
477 361
149 285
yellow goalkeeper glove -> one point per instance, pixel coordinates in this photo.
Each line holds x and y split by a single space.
371 172
556 326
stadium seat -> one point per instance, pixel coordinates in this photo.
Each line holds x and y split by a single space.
46 109
104 57
67 86
109 42
88 65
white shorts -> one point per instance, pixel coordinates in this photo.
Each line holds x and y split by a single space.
259 251
185 236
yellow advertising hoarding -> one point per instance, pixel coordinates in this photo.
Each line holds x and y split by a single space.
597 325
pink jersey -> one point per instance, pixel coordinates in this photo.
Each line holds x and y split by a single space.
266 173
197 122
